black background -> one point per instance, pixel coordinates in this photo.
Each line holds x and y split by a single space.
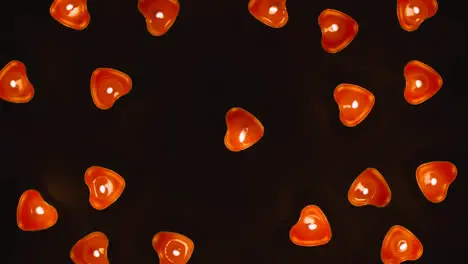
166 137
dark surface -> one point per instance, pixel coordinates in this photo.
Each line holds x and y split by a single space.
166 137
